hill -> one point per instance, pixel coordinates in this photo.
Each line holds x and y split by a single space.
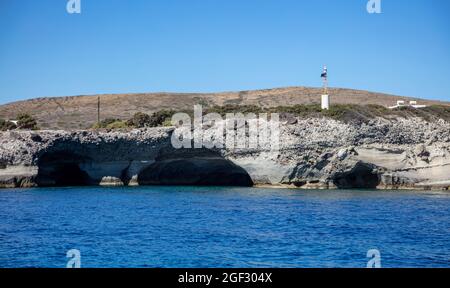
80 112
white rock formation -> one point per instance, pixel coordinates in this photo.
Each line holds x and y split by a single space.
314 153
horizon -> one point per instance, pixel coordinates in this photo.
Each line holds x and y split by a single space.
201 47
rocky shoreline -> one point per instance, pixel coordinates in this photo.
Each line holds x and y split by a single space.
315 153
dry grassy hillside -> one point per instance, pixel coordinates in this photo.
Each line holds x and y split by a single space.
81 111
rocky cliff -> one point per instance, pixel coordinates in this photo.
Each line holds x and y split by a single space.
315 153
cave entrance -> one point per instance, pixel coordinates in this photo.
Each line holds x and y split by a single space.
61 169
362 176
210 171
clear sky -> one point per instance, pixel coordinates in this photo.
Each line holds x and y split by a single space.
118 46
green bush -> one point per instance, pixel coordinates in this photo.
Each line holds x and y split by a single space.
157 119
381 110
139 120
167 123
117 125
105 123
340 112
299 110
438 111
245 109
7 125
26 122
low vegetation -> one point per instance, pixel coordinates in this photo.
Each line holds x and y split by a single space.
7 125
24 122
111 124
341 112
106 123
139 120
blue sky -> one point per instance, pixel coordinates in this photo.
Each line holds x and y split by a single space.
118 46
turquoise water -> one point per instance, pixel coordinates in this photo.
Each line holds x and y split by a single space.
222 227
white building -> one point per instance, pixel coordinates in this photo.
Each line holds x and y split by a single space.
402 103
325 102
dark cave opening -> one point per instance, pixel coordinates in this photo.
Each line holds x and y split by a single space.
64 168
211 171
61 169
362 176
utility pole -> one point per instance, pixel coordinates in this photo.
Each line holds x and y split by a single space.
98 109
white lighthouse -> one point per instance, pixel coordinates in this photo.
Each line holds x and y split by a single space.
325 97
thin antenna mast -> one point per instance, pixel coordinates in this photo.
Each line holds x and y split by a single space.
325 80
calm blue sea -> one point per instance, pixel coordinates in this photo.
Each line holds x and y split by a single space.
223 227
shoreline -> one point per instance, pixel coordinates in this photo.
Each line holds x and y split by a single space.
428 188
12 181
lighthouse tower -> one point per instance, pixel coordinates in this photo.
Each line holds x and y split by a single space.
325 96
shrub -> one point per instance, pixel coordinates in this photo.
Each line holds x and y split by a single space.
139 120
439 111
26 121
167 123
7 125
117 125
229 108
380 110
158 118
299 110
105 123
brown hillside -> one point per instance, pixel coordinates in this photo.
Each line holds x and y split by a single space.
81 111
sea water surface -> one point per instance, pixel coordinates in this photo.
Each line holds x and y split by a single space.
223 227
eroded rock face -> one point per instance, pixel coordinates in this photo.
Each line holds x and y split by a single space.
314 153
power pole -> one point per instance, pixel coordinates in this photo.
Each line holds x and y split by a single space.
98 110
